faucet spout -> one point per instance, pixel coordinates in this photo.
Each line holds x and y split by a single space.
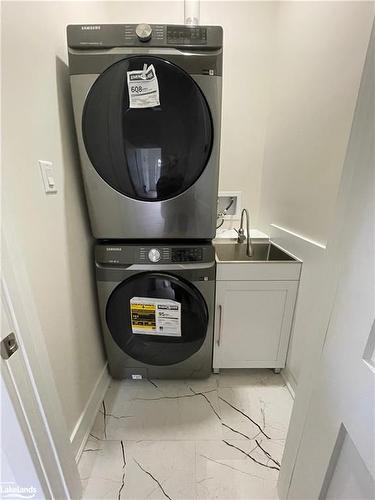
241 233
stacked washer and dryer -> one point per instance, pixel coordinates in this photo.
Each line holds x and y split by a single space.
147 108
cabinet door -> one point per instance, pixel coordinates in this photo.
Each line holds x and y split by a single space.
253 323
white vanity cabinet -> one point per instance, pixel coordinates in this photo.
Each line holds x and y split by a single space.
253 323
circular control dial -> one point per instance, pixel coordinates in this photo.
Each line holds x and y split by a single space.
143 32
154 255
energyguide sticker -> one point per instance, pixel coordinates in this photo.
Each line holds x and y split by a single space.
155 316
143 88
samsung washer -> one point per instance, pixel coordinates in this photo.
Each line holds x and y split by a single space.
149 172
156 306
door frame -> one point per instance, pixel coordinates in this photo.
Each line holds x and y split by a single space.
328 266
28 377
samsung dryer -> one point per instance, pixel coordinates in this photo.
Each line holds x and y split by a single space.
156 307
147 107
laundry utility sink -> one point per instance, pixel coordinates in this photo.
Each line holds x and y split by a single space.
255 300
268 262
228 252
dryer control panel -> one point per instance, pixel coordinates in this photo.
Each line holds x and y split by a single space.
153 254
106 36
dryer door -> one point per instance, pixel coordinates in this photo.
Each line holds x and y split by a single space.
153 153
156 318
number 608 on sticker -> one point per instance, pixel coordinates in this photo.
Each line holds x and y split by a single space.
136 88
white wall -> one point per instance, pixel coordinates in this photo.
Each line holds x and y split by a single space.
52 231
248 59
320 49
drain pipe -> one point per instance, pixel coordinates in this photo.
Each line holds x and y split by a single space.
191 12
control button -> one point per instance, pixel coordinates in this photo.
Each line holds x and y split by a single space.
144 32
154 255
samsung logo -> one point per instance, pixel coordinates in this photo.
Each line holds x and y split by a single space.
90 27
113 249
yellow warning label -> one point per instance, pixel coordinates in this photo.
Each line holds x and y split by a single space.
143 317
155 316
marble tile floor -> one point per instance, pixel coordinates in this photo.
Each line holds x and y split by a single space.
218 438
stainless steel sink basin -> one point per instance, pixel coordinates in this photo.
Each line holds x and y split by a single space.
262 252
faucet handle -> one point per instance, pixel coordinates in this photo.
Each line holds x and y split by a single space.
241 235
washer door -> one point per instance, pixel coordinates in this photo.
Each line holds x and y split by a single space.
148 154
156 348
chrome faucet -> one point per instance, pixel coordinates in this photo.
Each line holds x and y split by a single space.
241 233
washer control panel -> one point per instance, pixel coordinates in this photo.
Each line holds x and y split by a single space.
191 254
168 255
118 254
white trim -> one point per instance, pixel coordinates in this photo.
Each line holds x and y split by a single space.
308 240
34 379
20 381
25 425
10 379
86 420
289 381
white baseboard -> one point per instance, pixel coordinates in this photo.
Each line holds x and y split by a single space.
85 422
289 381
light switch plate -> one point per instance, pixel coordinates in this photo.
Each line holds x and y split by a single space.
46 169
